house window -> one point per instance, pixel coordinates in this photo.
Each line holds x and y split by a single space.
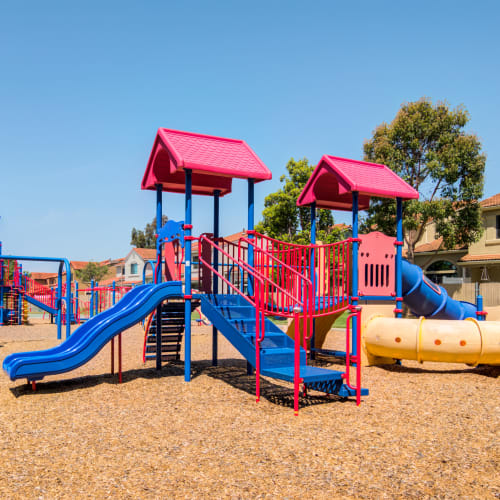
498 227
440 269
118 271
133 268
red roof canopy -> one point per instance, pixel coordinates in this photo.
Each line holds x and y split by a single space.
214 161
334 179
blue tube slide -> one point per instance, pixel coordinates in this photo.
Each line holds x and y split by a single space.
87 340
425 298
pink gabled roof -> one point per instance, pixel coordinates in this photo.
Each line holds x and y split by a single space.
334 179
214 161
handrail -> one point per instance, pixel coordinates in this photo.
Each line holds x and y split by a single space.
356 313
259 315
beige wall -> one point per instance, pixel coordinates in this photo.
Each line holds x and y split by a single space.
488 244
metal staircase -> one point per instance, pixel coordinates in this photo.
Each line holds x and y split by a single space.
172 329
234 317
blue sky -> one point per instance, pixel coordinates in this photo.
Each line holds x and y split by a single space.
85 85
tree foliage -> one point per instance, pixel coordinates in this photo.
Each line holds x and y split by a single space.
284 220
428 147
92 271
146 238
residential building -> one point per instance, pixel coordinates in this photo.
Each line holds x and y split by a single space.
479 262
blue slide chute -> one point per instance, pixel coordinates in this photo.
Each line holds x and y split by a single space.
425 298
92 336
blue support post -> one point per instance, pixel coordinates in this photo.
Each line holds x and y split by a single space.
96 300
251 210
313 275
77 301
91 307
114 292
159 217
354 286
20 297
250 228
59 301
187 278
215 288
479 308
399 258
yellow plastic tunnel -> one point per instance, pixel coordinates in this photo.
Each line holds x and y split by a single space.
449 341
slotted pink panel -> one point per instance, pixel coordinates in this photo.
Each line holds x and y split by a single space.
377 265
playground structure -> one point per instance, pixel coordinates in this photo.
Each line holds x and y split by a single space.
245 282
19 290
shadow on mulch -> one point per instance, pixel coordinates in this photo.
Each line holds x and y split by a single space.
482 370
230 371
234 373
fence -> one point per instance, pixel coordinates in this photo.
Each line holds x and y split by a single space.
467 291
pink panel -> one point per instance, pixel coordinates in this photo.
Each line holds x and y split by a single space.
377 265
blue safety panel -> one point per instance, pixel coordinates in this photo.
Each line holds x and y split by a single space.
234 317
92 336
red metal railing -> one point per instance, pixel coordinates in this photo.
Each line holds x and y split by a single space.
350 358
262 288
42 293
326 266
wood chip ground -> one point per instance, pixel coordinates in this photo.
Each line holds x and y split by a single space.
425 431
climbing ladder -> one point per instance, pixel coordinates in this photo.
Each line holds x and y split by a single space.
172 328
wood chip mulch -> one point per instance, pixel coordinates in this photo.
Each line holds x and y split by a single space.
425 431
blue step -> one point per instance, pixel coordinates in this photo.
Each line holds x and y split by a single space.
234 317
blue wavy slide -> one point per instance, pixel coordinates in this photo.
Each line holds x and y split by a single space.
87 340
425 298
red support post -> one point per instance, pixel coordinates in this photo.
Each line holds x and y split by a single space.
112 356
120 358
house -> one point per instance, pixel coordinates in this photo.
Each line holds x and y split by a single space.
134 262
46 279
476 263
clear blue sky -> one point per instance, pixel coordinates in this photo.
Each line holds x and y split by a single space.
85 85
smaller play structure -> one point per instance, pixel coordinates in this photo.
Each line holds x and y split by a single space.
17 290
243 283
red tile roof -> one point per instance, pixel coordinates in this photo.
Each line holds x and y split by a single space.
492 201
479 258
145 253
43 276
78 264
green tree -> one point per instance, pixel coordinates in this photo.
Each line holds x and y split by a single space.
146 238
428 147
92 271
284 220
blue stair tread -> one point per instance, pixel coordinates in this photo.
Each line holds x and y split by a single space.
307 373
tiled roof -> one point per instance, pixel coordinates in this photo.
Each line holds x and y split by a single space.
492 201
479 258
78 264
43 276
146 253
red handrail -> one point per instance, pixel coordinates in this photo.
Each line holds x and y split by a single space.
261 294
356 313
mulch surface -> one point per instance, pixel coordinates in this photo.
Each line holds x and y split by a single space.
425 431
